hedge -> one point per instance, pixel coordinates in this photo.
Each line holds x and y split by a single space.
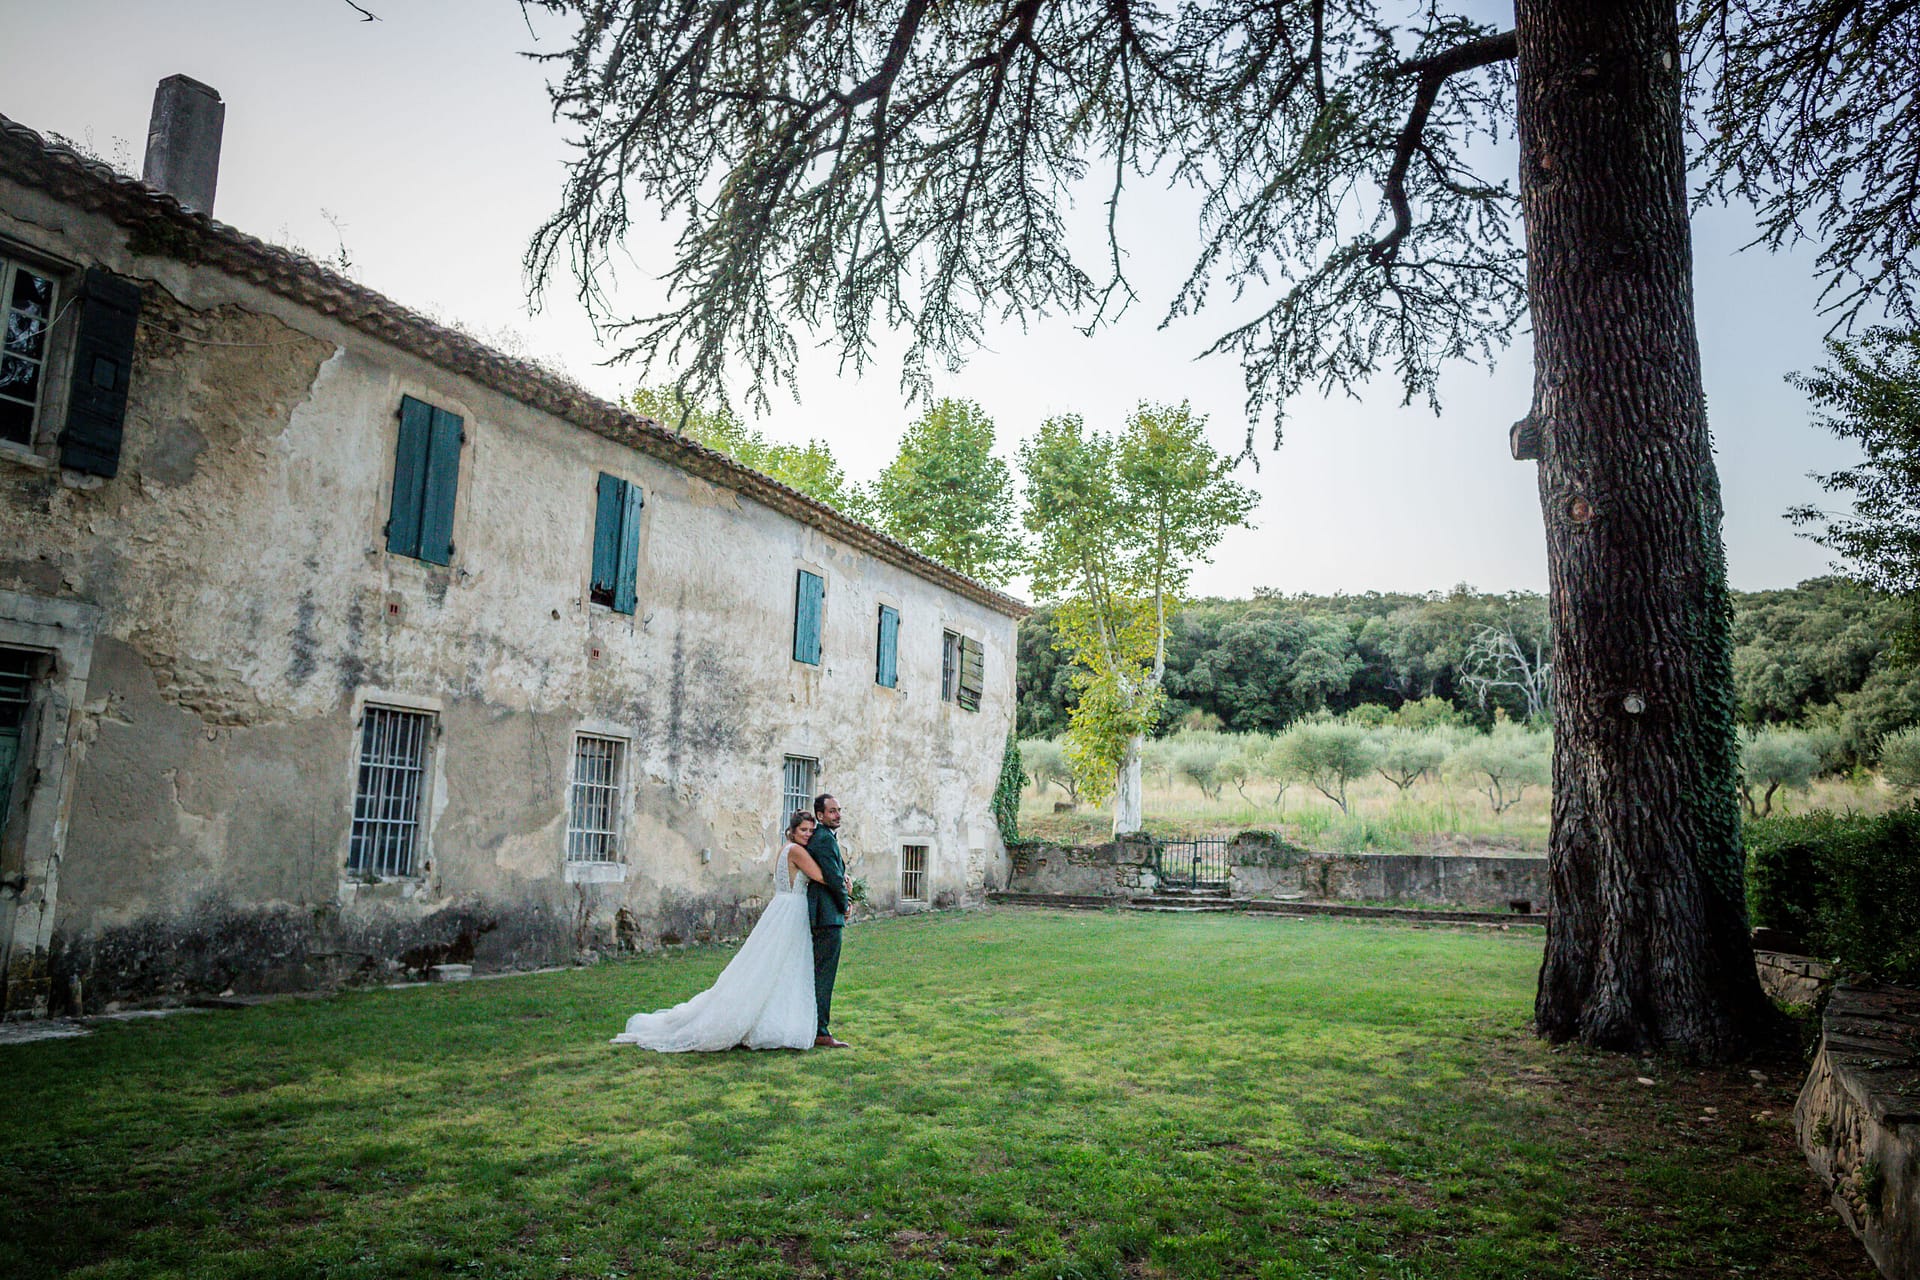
1846 885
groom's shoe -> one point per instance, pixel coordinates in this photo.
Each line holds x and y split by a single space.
828 1042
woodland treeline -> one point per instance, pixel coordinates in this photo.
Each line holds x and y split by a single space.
1816 656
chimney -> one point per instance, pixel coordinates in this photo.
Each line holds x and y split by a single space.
183 142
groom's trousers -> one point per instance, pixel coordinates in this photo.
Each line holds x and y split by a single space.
826 963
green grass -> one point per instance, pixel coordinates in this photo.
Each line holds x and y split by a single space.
1031 1094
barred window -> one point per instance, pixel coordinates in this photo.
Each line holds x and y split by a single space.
913 873
386 801
593 817
802 776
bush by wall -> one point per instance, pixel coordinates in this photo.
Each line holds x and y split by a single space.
1847 885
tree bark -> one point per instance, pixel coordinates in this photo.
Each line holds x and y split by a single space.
1647 944
1126 790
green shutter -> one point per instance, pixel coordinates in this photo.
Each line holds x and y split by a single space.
973 673
887 661
409 477
442 485
608 506
809 605
626 594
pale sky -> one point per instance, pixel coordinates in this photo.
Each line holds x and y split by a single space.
426 137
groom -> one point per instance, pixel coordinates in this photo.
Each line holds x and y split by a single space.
827 911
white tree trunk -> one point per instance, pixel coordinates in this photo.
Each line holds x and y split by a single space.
1126 791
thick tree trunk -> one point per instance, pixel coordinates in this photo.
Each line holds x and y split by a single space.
1126 790
1647 946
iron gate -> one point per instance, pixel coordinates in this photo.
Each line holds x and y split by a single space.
1193 864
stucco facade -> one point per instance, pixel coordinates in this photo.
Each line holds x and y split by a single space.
213 622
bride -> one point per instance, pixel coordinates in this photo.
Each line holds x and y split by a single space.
763 999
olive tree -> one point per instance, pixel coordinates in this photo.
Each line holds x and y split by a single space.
1327 755
1771 759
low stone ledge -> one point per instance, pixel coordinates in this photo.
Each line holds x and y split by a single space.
1079 901
1858 1118
1259 906
1792 979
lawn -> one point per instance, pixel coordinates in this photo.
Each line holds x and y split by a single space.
1032 1093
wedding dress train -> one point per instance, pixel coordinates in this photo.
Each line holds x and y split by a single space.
763 999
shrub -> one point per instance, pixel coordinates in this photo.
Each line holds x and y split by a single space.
1900 759
1428 713
1368 715
1847 885
1774 758
1326 754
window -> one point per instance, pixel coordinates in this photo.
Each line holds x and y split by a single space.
913 873
593 814
963 667
809 608
17 670
426 477
949 665
27 299
386 802
886 660
802 776
616 544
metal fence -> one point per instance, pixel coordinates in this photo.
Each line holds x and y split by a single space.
1200 863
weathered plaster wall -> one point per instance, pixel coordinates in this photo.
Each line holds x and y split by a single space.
250 610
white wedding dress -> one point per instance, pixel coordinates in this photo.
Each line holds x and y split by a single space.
763 999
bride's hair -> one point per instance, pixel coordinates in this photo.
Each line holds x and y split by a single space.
800 816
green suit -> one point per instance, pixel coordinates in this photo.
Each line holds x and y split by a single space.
827 911
827 903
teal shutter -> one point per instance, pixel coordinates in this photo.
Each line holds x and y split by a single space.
809 603
887 663
409 477
442 485
626 593
608 506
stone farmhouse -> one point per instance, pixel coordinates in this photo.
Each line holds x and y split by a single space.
333 642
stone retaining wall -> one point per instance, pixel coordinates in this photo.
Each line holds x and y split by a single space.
1858 1118
1262 867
